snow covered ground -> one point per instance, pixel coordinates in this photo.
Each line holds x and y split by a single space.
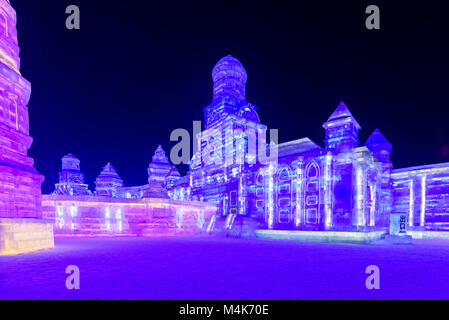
213 268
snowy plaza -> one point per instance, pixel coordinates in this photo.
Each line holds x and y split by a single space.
204 267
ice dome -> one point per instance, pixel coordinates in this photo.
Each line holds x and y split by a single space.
229 77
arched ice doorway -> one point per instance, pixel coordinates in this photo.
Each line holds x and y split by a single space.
312 194
284 195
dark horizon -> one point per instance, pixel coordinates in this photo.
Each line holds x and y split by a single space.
114 90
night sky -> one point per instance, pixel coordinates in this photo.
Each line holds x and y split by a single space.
114 90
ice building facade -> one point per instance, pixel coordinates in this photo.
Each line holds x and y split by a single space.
22 228
303 186
339 187
298 185
422 194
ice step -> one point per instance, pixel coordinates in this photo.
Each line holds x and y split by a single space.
233 226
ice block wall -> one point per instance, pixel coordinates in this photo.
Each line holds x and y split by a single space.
107 216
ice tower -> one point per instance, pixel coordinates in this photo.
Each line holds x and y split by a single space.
158 171
108 182
71 180
219 171
342 130
381 150
341 138
20 183
229 82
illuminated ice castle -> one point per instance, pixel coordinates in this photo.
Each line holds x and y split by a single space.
238 182
298 185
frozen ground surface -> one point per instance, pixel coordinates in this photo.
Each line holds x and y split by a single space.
214 268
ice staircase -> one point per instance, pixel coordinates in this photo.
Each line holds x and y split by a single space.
233 225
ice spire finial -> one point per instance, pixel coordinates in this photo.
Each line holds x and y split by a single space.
341 130
160 156
379 146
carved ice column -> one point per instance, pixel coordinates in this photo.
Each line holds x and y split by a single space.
328 192
373 207
225 204
417 187
243 191
411 213
360 185
299 209
270 195
422 219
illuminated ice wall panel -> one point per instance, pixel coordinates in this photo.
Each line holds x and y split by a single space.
20 235
107 216
134 192
423 194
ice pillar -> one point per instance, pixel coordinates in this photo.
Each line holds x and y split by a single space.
422 219
360 196
299 208
328 195
270 195
243 192
411 202
373 207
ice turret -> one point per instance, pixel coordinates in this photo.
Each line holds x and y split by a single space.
71 179
342 130
229 96
158 170
172 177
379 146
108 182
160 167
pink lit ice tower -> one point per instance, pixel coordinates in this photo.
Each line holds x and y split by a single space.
20 183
